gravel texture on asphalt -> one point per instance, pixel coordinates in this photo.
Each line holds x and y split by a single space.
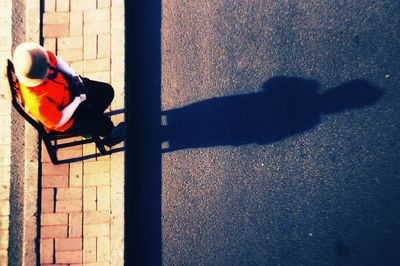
281 139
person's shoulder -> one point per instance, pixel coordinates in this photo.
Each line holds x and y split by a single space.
52 58
37 92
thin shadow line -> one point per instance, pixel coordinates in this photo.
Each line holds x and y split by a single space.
115 112
91 156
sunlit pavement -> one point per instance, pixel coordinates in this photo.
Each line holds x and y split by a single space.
317 188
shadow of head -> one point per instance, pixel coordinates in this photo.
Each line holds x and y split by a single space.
350 95
296 91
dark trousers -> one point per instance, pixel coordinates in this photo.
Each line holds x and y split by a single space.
89 116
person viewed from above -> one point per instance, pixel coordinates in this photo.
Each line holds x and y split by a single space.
60 99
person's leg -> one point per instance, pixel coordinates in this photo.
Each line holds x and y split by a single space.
99 94
89 117
88 122
97 124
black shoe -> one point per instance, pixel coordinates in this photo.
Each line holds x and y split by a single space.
117 135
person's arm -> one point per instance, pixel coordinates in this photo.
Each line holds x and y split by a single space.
64 67
67 70
69 110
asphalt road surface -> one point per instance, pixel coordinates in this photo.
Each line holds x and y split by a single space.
280 132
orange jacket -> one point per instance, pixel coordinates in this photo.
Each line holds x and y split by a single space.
45 101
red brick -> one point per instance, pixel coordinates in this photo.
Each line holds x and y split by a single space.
55 181
48 194
45 158
64 154
47 206
54 219
69 193
57 231
68 205
60 30
75 224
68 140
55 170
68 244
96 217
69 257
46 250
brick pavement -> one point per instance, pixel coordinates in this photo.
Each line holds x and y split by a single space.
5 137
82 202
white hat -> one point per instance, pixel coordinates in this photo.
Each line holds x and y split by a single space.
31 63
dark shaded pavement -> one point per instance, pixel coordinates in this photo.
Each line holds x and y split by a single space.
267 164
143 239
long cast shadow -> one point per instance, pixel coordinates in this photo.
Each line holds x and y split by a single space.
286 106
